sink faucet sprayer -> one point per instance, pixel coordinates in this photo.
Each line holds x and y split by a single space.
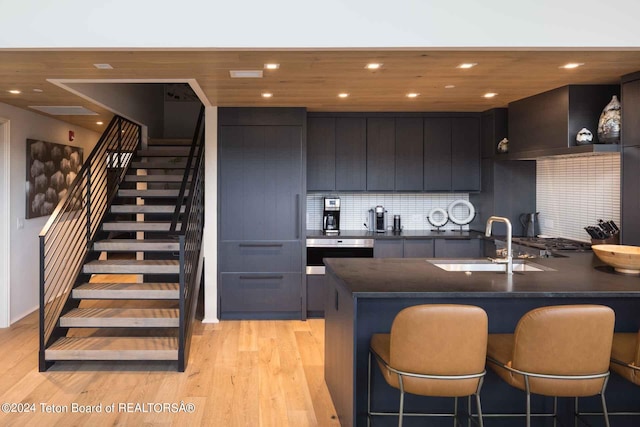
509 260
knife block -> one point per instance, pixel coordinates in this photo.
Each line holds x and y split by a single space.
613 240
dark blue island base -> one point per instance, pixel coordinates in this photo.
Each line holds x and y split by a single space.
364 296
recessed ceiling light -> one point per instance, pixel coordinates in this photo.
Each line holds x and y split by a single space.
466 65
99 123
271 66
449 86
373 66
572 65
15 91
245 74
412 95
343 95
38 90
489 94
103 66
267 94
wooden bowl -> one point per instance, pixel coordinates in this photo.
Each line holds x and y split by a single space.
624 259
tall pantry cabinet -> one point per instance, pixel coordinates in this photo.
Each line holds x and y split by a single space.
262 203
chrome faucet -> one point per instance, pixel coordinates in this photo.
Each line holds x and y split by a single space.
509 259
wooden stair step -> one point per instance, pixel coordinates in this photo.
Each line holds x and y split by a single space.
121 318
171 193
127 291
138 226
166 209
159 165
165 152
179 142
137 245
154 178
119 266
113 348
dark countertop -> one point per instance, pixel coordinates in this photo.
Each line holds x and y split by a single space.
580 274
408 234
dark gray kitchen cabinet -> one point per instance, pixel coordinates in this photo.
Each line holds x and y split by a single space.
261 206
494 127
551 120
409 152
418 248
452 154
321 154
630 196
388 248
630 101
381 154
465 157
458 248
316 290
351 153
437 154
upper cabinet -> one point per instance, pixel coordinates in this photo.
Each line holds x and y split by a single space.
351 154
452 154
630 106
548 123
321 153
384 152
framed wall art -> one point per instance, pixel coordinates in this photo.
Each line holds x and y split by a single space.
51 168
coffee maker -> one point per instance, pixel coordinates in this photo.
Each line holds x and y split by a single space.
379 216
331 215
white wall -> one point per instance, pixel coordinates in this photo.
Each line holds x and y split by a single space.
574 192
331 23
211 216
139 102
25 255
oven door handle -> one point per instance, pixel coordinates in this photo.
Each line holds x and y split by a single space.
316 270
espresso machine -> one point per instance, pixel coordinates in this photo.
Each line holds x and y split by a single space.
331 215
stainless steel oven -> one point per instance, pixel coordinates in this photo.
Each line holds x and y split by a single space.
318 249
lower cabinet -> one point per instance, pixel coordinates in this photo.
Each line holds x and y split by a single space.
316 290
388 248
458 248
260 294
418 248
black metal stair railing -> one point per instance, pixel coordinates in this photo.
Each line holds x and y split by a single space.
190 238
69 233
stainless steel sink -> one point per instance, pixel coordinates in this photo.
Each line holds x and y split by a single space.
485 265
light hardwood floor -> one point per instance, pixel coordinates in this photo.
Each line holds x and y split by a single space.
241 373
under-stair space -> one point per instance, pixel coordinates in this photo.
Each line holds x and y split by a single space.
125 303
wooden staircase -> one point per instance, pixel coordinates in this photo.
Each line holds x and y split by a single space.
138 319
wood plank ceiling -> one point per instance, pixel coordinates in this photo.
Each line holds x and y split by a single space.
313 78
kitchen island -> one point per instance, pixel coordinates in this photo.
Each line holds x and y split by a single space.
364 295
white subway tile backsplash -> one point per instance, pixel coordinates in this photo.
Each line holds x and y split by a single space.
574 192
413 209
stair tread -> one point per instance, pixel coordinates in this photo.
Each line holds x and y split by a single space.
155 178
113 348
179 142
137 245
123 313
128 262
144 209
156 286
158 165
164 151
138 226
151 193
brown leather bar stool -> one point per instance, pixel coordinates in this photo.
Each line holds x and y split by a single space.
625 360
559 351
434 350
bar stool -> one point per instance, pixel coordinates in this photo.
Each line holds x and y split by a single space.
625 360
559 351
434 350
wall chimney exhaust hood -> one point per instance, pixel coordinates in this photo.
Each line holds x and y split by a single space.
546 124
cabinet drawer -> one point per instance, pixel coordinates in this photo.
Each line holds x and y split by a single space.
458 248
418 248
260 256
260 292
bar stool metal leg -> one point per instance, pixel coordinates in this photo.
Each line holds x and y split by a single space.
401 400
369 392
455 411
